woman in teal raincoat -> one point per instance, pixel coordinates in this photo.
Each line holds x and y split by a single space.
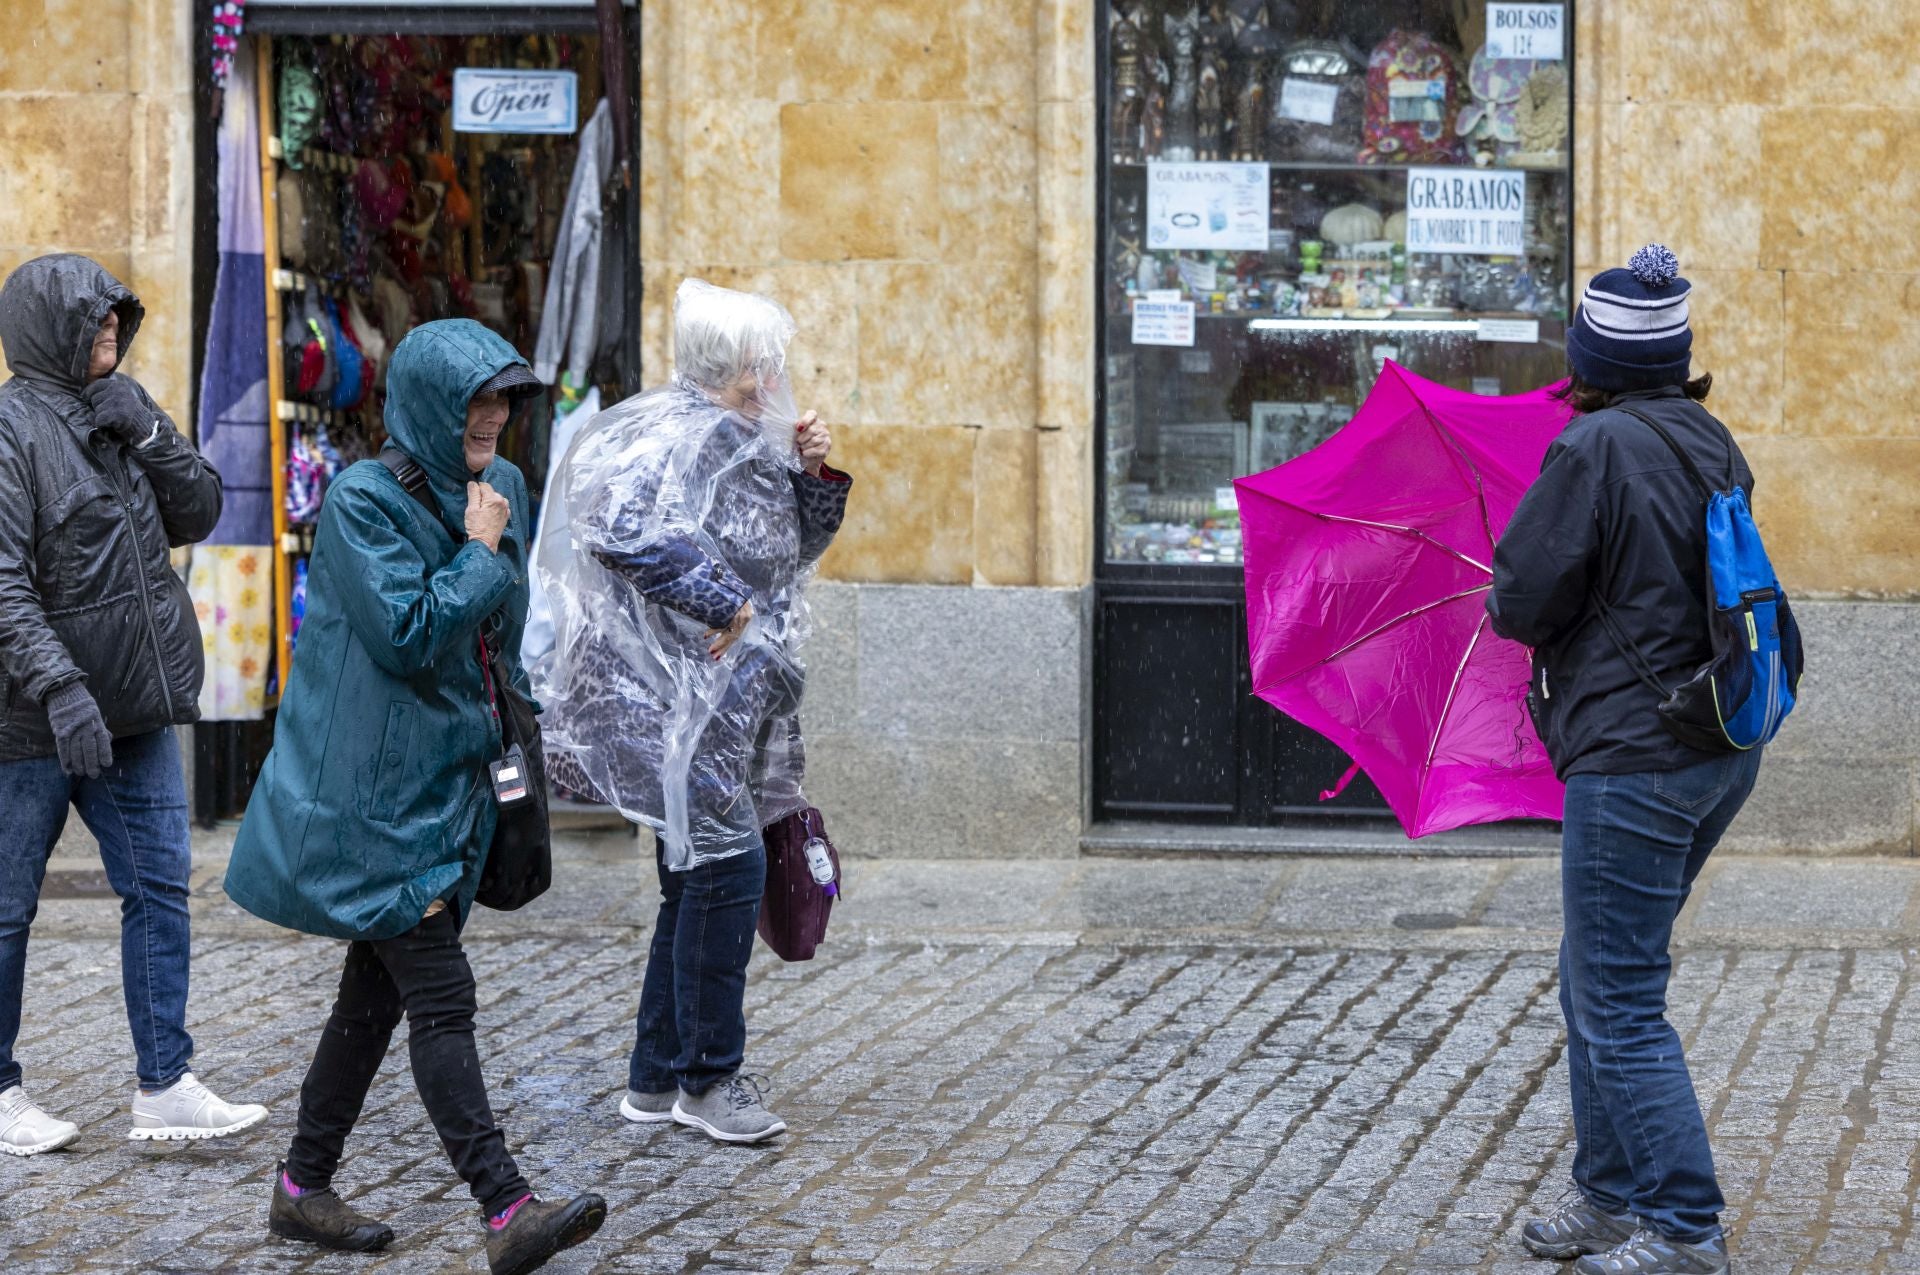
372 816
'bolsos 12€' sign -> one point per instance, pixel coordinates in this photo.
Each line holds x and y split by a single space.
486 100
1530 31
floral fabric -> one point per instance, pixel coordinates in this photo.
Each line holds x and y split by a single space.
232 590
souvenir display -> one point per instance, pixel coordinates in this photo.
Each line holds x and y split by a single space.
1413 96
1490 121
1181 139
1288 336
1316 102
1351 224
1129 91
1250 114
1210 111
1541 117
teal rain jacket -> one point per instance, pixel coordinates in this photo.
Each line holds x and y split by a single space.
375 800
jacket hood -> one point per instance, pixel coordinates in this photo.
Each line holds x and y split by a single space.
436 368
50 310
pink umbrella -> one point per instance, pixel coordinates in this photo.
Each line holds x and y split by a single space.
1368 563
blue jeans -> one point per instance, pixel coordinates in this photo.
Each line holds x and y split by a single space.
1632 846
138 812
692 1029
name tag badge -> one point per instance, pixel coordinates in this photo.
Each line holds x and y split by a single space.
510 779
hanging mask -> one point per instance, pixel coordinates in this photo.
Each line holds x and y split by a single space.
300 109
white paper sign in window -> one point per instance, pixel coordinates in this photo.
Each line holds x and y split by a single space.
493 101
1163 323
1478 211
1536 31
1207 207
1309 101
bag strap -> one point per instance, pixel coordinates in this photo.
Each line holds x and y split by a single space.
1609 618
411 476
1628 648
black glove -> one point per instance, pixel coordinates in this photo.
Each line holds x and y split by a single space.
119 409
79 732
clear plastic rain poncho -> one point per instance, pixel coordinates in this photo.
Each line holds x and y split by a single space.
683 504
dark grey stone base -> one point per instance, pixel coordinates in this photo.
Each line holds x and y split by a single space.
948 722
952 723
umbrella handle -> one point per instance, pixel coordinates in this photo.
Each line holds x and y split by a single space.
1353 772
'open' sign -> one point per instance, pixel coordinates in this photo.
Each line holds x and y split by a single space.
495 101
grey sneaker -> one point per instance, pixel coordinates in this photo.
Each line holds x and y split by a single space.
189 1111
1649 1253
1575 1228
731 1111
27 1130
648 1108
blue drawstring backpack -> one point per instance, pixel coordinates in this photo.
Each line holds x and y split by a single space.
1739 698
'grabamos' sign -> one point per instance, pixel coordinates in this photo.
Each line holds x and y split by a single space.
1471 210
500 101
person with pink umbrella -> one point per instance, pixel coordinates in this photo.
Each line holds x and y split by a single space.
1601 573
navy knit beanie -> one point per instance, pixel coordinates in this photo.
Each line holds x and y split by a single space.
1630 332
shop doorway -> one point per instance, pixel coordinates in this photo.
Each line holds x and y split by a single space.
418 162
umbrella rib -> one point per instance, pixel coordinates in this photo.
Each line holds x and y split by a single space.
1415 532
1479 479
1371 634
1453 691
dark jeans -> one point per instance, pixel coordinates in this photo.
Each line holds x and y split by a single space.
137 810
692 1029
424 972
1632 846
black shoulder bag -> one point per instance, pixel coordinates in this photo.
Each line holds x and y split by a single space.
519 865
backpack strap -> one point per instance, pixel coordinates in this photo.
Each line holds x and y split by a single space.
1629 649
411 476
1609 618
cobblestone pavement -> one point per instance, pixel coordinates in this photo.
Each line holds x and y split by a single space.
1199 1066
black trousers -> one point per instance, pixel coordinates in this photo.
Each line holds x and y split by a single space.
424 973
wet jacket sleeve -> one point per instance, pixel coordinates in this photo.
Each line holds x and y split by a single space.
823 507
405 617
1543 567
652 541
187 487
34 657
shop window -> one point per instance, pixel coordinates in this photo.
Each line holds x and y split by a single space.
1297 191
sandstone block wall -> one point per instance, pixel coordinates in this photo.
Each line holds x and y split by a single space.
1776 148
96 156
914 180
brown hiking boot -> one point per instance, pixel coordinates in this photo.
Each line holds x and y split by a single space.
320 1216
538 1229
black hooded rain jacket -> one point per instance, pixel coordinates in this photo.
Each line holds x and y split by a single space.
86 590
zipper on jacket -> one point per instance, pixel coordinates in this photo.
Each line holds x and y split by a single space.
146 601
1545 693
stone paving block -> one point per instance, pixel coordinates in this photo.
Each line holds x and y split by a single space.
1021 1097
1813 896
1108 893
1345 894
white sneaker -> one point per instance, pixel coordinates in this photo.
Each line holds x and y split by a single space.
189 1110
27 1130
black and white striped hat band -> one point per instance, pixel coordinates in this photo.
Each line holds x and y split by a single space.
1628 319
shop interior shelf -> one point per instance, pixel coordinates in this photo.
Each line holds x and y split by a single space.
1264 322
1335 166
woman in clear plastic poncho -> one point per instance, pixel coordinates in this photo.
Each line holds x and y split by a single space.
696 512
